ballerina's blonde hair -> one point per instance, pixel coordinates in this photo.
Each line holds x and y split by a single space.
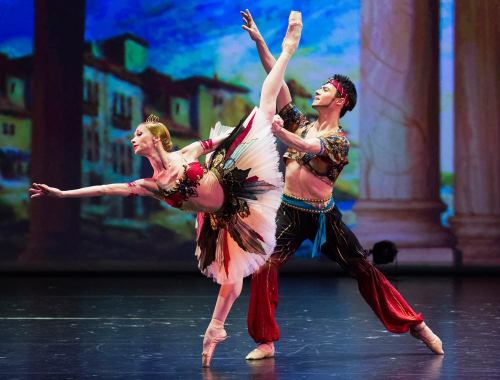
158 129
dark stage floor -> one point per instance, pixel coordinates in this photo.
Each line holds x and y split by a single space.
150 327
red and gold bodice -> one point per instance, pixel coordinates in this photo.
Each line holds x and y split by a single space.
196 190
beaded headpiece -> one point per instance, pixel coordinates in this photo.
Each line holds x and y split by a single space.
152 118
340 89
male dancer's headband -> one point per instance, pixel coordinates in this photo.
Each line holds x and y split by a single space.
340 89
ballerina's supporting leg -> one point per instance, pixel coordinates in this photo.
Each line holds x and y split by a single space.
228 293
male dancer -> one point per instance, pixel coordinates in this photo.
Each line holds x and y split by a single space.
316 154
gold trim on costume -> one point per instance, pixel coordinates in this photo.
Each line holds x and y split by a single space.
307 200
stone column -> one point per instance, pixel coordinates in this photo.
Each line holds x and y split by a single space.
477 131
57 125
399 131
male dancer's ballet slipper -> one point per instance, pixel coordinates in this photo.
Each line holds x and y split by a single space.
261 353
431 340
292 37
213 336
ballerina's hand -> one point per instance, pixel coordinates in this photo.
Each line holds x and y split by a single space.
277 124
250 25
40 190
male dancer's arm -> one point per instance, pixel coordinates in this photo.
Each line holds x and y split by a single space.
334 146
266 58
312 145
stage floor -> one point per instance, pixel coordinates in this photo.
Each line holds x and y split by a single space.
151 327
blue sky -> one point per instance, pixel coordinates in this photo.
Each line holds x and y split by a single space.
205 37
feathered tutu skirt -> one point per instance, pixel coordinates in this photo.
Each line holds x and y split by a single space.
237 239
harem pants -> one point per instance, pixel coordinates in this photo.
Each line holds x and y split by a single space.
342 246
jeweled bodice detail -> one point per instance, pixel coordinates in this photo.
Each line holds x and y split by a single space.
185 187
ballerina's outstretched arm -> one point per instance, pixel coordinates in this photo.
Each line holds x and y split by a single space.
141 187
274 80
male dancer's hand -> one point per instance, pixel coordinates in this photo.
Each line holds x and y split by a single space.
277 125
250 26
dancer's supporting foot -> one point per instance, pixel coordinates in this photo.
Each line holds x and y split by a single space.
431 340
214 335
262 351
228 293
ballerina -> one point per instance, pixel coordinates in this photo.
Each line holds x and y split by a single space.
236 194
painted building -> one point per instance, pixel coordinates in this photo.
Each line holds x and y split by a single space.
119 91
213 100
113 101
15 120
171 102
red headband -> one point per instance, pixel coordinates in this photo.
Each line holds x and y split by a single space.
340 89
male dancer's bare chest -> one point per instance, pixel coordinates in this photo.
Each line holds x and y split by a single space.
301 182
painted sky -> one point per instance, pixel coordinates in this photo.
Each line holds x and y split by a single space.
205 37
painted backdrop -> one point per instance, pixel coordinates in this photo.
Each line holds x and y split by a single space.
191 63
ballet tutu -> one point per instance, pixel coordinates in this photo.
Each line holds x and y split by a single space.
237 239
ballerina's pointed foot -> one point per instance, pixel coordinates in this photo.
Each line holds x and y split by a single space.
293 33
431 340
213 336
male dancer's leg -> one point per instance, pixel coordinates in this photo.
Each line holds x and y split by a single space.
387 303
262 325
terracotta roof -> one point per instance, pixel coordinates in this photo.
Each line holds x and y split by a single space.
125 36
175 129
9 108
114 69
154 81
25 63
191 84
20 67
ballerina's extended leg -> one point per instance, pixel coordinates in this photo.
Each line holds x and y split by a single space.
270 88
273 82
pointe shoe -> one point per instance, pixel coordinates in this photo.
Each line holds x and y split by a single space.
292 37
213 336
431 340
260 353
